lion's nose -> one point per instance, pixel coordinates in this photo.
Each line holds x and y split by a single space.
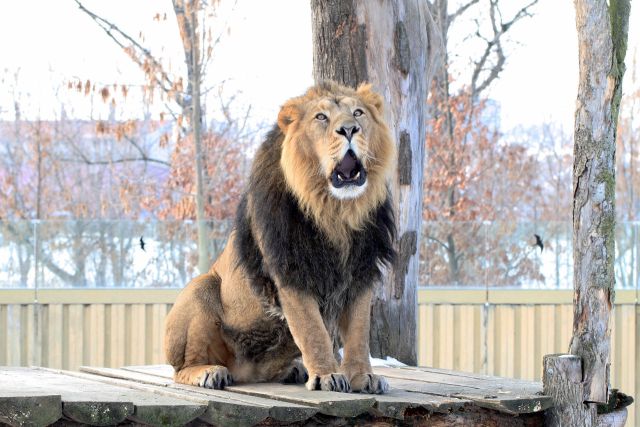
348 132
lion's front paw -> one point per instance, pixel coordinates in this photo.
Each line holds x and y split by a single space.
296 374
216 377
369 383
329 382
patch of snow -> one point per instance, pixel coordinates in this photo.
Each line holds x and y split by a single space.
389 361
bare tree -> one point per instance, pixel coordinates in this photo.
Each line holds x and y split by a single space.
486 68
190 15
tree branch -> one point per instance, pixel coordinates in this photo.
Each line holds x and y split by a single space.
462 9
444 245
493 45
114 32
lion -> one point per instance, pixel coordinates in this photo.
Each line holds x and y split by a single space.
312 232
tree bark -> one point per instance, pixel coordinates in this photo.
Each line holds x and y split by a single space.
602 38
562 381
393 46
187 15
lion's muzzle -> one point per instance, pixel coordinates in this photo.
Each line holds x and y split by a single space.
349 172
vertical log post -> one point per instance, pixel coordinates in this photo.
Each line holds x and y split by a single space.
602 37
562 381
577 381
390 44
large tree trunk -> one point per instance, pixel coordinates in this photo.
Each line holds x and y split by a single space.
391 45
602 37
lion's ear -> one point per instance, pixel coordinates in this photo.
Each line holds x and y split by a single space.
365 91
288 114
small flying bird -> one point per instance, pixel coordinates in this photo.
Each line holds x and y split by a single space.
539 242
142 243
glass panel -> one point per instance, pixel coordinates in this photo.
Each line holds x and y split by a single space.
627 263
17 263
530 256
497 254
110 253
453 254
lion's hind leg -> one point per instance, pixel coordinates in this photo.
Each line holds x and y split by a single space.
207 376
193 339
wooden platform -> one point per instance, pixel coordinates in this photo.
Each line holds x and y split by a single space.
148 395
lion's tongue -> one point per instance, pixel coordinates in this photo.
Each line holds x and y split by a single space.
347 166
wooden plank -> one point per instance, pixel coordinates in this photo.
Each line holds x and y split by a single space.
37 331
29 407
531 296
75 331
158 318
17 296
395 403
526 347
492 338
466 338
451 296
87 400
225 407
502 394
81 402
327 402
23 404
425 333
4 336
137 330
457 377
54 336
117 328
13 335
96 337
99 296
163 371
444 340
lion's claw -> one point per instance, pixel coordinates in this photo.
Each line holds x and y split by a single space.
369 383
297 374
217 377
329 382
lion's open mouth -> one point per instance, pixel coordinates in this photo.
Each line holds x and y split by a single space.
348 172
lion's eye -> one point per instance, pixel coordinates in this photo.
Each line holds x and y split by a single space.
358 113
322 117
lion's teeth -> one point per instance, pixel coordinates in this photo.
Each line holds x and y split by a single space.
340 178
357 175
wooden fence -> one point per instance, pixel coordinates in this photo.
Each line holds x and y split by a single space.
507 332
501 332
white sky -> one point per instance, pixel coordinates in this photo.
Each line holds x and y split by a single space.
266 57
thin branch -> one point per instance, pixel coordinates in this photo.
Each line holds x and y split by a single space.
493 45
90 162
462 9
444 245
164 82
